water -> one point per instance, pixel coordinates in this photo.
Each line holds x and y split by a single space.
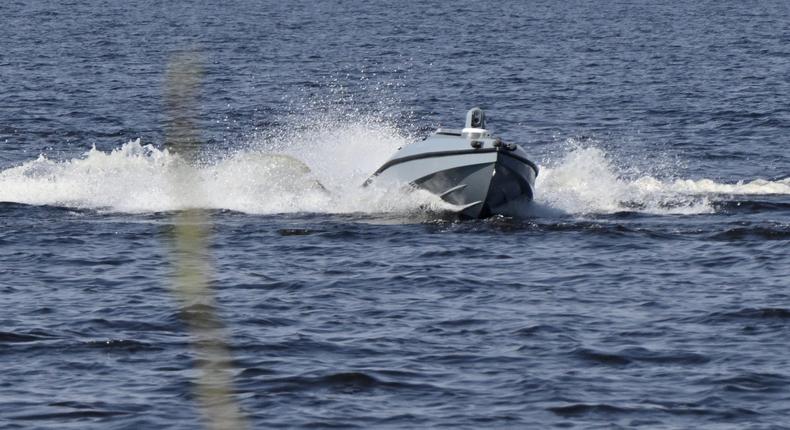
646 287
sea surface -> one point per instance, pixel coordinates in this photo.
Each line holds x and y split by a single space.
648 285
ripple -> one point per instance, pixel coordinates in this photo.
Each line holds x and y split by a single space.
753 382
640 355
577 409
347 382
751 206
780 315
601 357
73 415
122 345
12 337
754 233
296 231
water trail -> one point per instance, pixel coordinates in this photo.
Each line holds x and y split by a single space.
587 181
270 175
318 166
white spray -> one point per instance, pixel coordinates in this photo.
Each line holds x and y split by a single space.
269 177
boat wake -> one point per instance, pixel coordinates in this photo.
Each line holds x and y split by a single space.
586 181
271 176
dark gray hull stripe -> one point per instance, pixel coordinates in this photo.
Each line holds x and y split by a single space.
395 161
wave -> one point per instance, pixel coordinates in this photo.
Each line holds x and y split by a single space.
271 175
586 181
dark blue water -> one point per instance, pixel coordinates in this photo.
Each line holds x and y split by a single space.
648 286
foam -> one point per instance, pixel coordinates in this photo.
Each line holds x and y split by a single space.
270 175
265 177
587 181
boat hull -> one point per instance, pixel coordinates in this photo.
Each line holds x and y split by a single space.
482 190
477 173
480 183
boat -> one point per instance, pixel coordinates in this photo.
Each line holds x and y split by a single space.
479 174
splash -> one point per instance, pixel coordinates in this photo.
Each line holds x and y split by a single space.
587 181
271 175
